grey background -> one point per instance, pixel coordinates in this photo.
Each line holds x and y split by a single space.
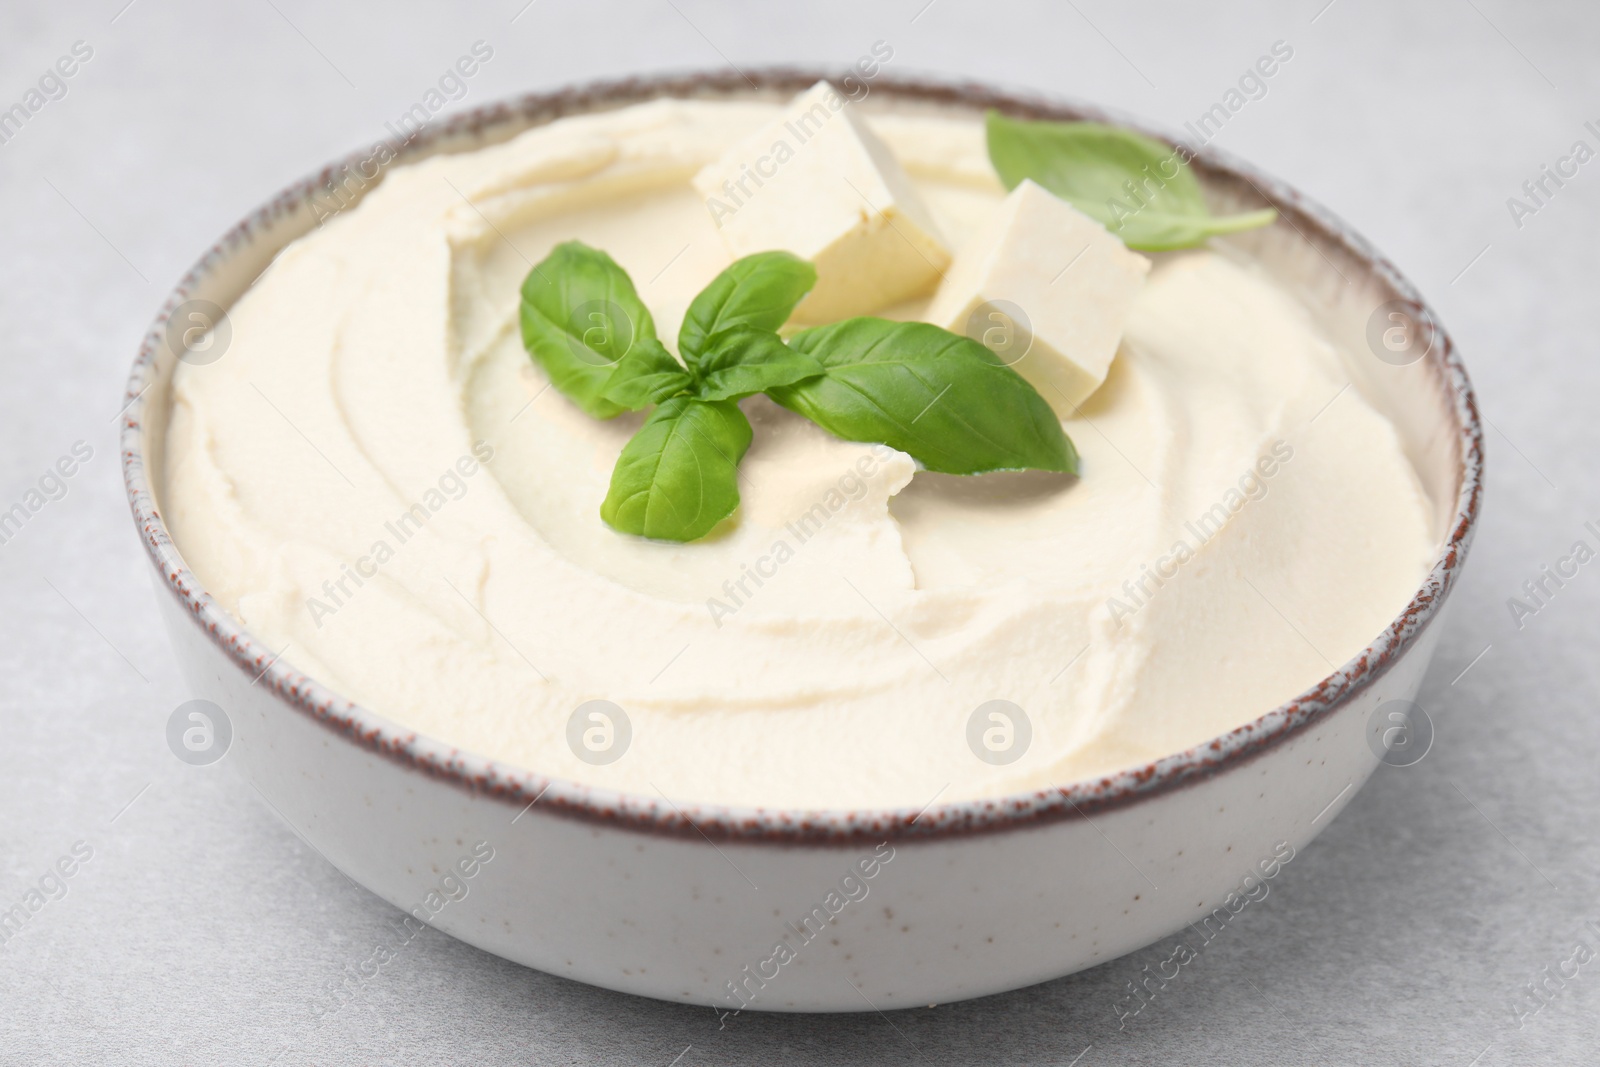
202 929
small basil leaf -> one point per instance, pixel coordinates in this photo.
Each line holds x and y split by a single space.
759 291
1155 231
580 317
646 375
1089 165
945 399
744 361
678 477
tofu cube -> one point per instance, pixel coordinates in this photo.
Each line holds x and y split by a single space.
817 182
1046 288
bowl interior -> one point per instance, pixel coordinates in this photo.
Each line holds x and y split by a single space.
1347 285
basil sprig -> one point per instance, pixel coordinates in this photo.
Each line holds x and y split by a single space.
944 399
1139 189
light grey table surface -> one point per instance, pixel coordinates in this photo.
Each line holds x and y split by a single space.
202 929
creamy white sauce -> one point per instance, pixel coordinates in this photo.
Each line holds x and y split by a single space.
887 604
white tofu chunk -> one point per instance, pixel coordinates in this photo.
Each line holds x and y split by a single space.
817 182
1048 289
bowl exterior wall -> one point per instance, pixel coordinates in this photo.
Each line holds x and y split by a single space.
686 920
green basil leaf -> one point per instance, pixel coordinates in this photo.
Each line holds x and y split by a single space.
580 317
744 361
760 291
942 398
1089 165
646 375
678 477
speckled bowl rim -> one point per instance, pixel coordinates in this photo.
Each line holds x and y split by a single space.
516 786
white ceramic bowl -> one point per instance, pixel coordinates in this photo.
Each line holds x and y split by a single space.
635 894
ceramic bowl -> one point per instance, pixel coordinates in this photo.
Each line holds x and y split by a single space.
874 909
